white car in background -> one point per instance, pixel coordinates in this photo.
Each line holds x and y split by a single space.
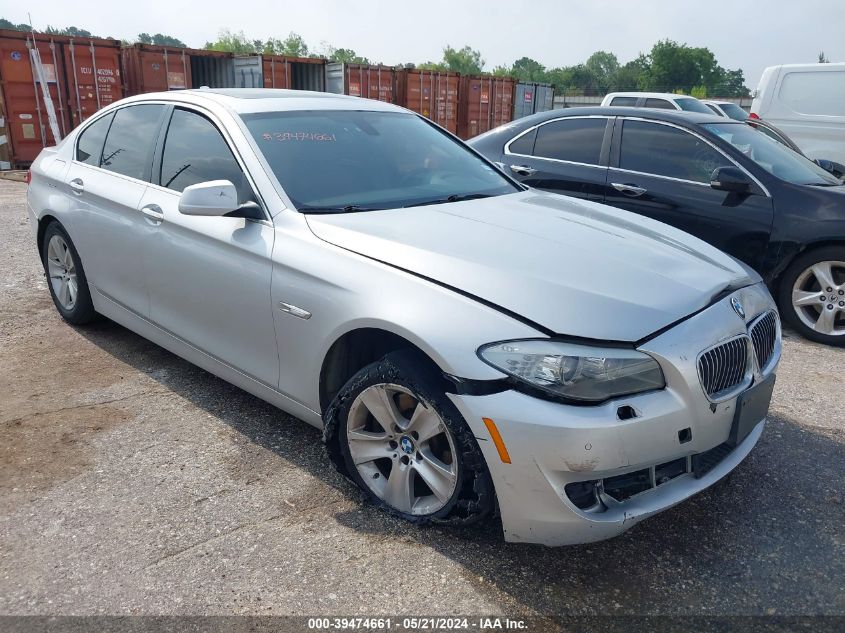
726 109
807 102
660 100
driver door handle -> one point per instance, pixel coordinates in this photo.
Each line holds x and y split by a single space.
523 170
77 186
153 212
629 190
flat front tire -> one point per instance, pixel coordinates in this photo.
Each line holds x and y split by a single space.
393 431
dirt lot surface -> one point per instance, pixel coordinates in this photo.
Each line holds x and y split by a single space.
132 482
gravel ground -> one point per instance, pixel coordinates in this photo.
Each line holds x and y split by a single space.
132 482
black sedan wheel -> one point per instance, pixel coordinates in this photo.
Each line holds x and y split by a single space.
812 295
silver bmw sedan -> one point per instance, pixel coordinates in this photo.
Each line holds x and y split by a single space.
464 342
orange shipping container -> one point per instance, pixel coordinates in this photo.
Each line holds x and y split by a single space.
486 103
296 73
152 68
362 80
27 122
94 78
431 93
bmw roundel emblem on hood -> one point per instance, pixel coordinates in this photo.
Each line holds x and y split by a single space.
738 308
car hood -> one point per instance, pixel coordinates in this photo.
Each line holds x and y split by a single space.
572 267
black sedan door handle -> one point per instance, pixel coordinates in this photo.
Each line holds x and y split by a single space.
523 170
629 190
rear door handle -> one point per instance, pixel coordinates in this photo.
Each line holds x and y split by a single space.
629 190
77 186
523 170
153 212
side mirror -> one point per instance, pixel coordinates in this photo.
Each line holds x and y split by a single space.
832 167
731 179
212 198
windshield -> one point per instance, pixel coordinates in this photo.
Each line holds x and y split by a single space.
734 111
336 161
692 105
775 158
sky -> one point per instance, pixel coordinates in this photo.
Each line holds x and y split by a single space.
746 34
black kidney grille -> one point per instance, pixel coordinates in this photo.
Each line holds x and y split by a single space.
763 335
723 367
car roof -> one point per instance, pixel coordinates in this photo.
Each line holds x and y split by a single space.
256 100
648 95
673 116
719 103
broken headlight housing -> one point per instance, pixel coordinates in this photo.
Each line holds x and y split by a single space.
583 373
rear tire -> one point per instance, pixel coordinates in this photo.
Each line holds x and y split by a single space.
811 295
65 276
415 457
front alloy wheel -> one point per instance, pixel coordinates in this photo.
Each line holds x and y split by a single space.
401 449
394 432
812 295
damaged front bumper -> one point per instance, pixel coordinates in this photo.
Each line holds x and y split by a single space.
586 473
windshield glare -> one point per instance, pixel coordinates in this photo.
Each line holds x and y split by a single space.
775 158
693 105
340 160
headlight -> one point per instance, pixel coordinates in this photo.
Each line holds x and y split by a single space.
577 372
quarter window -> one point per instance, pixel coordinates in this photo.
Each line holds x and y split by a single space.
129 145
196 152
89 148
524 144
667 151
573 140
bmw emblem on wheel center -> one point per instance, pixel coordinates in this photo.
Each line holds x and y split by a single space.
406 444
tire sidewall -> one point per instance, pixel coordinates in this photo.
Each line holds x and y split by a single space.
787 310
83 309
406 371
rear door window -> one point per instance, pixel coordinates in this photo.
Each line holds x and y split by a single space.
131 139
662 150
195 151
662 104
89 148
630 102
576 140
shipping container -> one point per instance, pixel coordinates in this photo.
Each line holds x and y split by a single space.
531 98
152 68
249 71
486 102
215 69
362 80
93 73
81 75
433 94
295 73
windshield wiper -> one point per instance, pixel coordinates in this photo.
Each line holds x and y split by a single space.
453 198
349 208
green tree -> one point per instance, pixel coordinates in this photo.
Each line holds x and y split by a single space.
822 58
5 24
465 60
293 46
345 55
160 39
232 43
527 69
70 31
602 67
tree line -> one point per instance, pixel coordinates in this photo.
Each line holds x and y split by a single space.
667 67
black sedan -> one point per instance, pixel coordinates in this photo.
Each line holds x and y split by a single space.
718 179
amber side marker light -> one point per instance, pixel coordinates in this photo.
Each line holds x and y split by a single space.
497 440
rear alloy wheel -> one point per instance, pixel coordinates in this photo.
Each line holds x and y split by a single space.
393 430
66 277
814 290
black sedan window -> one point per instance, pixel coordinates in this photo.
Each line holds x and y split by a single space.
662 150
344 161
576 140
774 157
